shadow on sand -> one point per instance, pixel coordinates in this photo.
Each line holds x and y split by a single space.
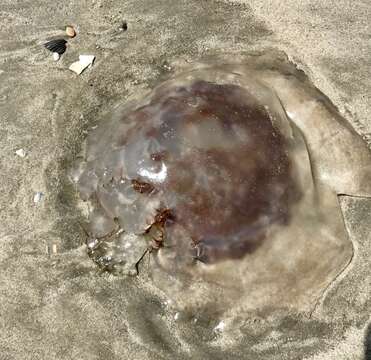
368 343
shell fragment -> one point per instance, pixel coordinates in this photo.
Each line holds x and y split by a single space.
220 326
70 31
84 62
21 153
56 46
37 197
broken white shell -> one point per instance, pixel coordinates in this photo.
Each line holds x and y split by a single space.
84 61
37 197
21 153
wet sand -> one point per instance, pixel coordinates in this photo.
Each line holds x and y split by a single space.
54 303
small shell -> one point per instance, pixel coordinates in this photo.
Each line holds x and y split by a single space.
70 31
37 197
56 56
21 153
56 46
219 327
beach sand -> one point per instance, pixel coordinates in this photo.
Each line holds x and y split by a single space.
54 303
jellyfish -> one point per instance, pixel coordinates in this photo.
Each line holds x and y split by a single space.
228 176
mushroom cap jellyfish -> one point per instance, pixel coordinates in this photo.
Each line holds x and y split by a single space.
228 175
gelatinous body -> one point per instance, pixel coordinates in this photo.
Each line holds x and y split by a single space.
210 154
209 167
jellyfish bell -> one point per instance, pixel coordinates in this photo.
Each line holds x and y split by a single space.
211 169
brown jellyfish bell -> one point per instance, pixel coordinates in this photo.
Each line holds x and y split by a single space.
229 174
